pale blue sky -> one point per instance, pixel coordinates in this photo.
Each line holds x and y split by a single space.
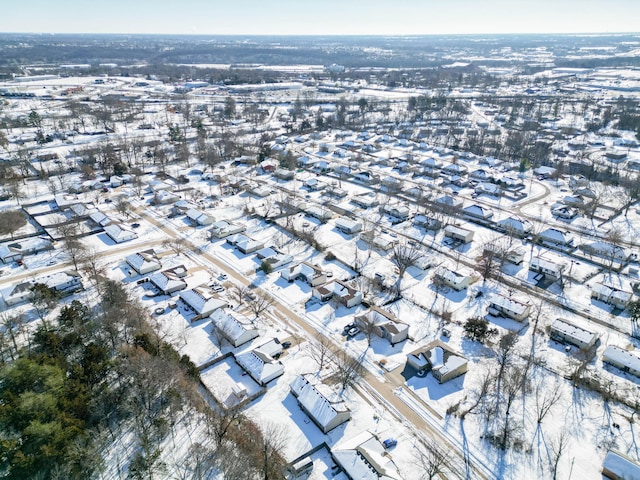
330 17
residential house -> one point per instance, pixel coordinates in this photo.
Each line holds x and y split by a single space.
346 295
144 262
15 294
224 228
244 243
198 218
366 177
607 251
618 466
364 457
261 364
364 201
499 305
321 213
170 281
391 183
427 222
17 250
477 212
401 212
501 252
611 295
202 301
556 237
488 188
622 359
311 274
236 328
455 280
100 218
348 226
119 234
444 363
564 331
458 234
284 174
384 324
326 410
514 226
547 268
563 211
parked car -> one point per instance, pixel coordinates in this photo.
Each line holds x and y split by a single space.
390 442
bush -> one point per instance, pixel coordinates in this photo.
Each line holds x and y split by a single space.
329 256
266 267
477 328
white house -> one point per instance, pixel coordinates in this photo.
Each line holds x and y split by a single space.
508 307
224 228
477 212
385 324
348 296
170 281
611 295
321 213
17 250
244 243
144 262
364 457
202 301
235 327
514 226
457 281
622 359
307 272
348 226
459 234
556 237
401 212
199 218
15 294
607 251
260 363
564 331
119 234
618 466
325 411
547 268
443 362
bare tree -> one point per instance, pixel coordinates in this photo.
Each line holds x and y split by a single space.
12 325
404 256
557 449
349 369
320 351
72 245
433 459
178 245
259 304
11 221
546 396
123 206
270 444
220 422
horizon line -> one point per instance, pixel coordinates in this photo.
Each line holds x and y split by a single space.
381 35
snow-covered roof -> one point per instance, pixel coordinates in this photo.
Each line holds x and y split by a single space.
573 331
621 356
315 403
364 458
143 260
